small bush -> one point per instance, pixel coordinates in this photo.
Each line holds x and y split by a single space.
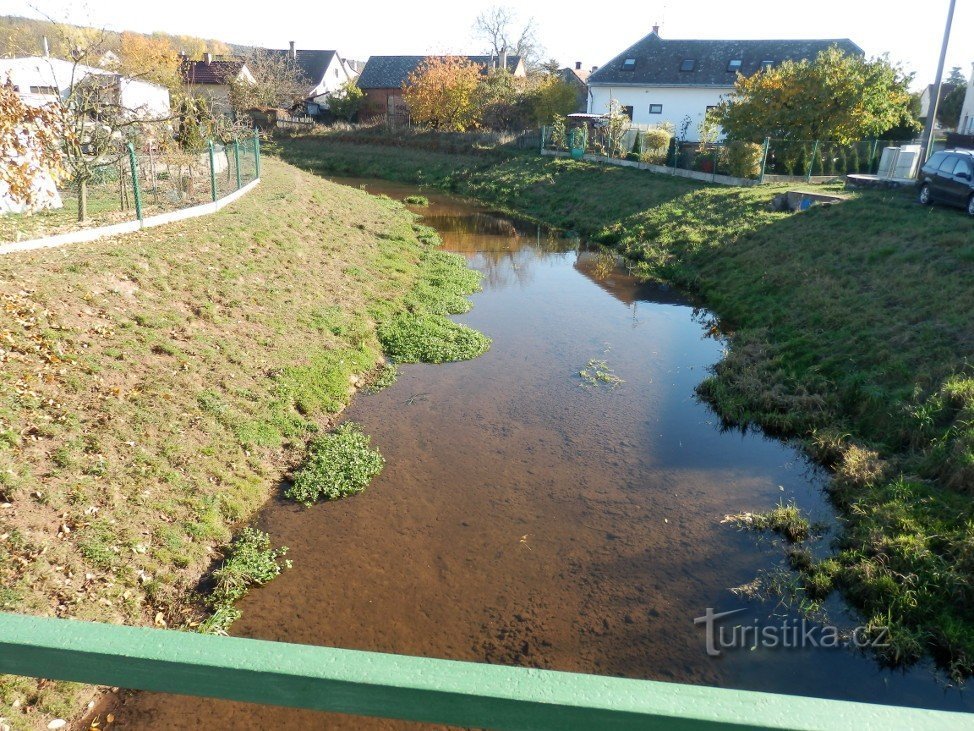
416 200
656 139
338 465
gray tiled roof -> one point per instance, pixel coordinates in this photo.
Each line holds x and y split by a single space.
391 72
658 60
313 64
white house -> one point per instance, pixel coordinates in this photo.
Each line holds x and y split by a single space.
966 124
40 80
660 80
325 71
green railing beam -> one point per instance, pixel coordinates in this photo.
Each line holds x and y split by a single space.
412 688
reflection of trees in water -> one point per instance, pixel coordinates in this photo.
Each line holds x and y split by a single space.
504 268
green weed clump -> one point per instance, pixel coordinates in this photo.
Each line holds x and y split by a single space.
385 377
416 200
785 520
338 464
421 333
249 561
443 285
430 338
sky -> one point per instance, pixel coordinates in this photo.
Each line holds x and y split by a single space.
910 32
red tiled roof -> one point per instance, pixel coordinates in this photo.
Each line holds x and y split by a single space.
214 72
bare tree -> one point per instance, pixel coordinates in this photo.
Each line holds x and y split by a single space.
278 82
501 30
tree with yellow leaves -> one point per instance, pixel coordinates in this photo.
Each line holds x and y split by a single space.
442 93
838 97
149 59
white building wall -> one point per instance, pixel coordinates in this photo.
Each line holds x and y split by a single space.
678 103
336 74
966 124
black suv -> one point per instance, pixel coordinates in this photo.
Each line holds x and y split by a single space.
948 177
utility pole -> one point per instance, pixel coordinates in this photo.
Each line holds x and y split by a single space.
935 97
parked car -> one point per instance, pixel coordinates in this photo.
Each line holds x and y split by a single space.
948 177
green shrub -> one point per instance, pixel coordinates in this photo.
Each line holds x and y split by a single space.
743 159
338 464
416 200
656 139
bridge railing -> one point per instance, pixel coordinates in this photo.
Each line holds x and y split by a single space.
413 688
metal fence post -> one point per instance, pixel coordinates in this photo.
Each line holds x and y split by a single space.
136 192
764 158
257 152
716 157
236 160
212 173
811 162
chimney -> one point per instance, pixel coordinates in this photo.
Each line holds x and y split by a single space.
594 69
208 58
656 29
578 65
293 52
47 48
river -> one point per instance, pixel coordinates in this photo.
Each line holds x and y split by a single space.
527 517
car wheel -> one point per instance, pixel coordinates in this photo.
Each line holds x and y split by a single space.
925 198
970 206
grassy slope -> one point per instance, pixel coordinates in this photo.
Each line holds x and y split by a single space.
851 329
154 388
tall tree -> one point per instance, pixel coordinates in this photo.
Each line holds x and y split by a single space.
838 97
551 97
441 93
500 29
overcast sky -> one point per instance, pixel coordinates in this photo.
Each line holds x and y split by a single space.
570 31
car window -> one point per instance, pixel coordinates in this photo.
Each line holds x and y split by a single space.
963 167
947 166
935 161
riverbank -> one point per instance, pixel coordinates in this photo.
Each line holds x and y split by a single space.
156 389
849 328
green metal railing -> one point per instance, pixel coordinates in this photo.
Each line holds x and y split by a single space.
413 688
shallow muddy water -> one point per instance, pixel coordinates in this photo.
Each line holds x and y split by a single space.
527 518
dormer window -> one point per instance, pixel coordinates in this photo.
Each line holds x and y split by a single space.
734 65
689 64
629 64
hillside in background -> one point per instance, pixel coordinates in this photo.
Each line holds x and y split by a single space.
25 37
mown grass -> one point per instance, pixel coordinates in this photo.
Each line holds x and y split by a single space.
849 328
155 388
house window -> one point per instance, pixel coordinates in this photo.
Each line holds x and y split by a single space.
734 65
689 64
49 90
628 112
629 64
655 108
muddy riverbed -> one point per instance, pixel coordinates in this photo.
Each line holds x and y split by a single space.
525 517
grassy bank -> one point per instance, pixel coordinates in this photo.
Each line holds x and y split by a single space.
849 328
156 388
